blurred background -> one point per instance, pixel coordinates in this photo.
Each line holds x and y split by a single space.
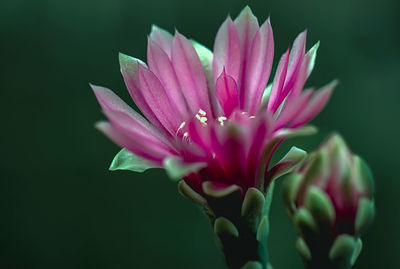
60 206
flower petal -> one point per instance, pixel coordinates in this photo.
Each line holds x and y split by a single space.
279 81
160 64
190 74
227 93
109 101
292 109
315 105
158 100
129 70
227 51
258 68
247 26
162 38
132 145
295 59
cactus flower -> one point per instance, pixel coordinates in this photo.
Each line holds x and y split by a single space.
330 201
212 119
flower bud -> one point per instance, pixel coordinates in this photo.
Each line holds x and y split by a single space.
330 202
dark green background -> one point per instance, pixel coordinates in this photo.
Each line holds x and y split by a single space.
61 208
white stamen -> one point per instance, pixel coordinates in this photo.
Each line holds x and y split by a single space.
202 112
221 120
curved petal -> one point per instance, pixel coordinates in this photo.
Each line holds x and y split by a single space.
247 26
227 51
295 59
158 100
135 146
190 74
129 69
279 81
315 105
227 93
258 69
160 64
162 38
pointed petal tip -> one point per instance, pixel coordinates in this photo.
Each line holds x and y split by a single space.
101 125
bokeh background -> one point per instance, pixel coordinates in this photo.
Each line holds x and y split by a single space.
60 206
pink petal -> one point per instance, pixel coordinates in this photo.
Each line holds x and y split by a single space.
132 145
162 38
158 100
315 105
190 74
279 80
132 129
258 68
247 26
227 93
129 70
227 50
161 66
109 101
295 59
292 109
261 131
125 116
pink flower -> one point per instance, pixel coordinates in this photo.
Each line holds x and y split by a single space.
211 116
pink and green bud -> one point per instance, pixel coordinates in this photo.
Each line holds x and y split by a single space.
330 202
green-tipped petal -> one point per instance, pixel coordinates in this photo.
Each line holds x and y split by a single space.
176 169
253 206
290 161
290 187
126 160
252 265
365 215
216 190
304 221
263 229
319 204
223 226
356 252
303 249
189 193
342 248
365 173
312 54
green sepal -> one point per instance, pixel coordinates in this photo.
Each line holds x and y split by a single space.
366 177
304 221
253 207
290 188
293 158
263 229
176 169
126 160
252 265
343 248
365 215
317 168
222 226
189 193
303 249
216 191
319 204
356 252
312 54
